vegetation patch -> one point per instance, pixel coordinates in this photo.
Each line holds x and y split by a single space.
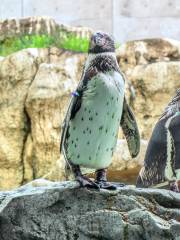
67 41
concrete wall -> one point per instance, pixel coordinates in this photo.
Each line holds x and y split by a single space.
126 19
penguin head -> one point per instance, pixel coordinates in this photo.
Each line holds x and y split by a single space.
101 42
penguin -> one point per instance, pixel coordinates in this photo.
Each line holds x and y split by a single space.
97 108
161 168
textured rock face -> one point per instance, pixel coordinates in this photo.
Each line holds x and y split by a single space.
32 105
16 74
45 104
152 66
123 167
45 210
37 25
38 32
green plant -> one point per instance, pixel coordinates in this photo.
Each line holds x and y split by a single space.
66 41
73 42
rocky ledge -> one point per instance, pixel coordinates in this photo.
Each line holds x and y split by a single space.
61 210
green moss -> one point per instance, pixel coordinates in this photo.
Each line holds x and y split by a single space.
72 42
66 41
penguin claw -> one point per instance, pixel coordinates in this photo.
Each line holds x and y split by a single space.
86 182
105 185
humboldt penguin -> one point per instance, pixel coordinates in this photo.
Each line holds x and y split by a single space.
97 108
162 159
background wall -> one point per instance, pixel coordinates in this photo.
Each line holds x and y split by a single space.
126 19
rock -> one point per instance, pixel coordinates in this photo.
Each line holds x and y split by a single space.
47 96
152 70
16 73
17 34
46 210
155 85
123 167
33 25
38 25
146 51
31 94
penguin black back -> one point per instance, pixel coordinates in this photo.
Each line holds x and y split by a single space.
162 159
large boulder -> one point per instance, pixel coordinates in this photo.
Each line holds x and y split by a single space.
46 210
146 51
152 68
11 28
32 104
16 74
46 105
155 85
18 34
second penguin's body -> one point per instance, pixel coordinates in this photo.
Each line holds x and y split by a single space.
162 160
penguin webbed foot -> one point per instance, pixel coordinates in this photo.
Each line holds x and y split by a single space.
102 182
105 185
86 182
81 179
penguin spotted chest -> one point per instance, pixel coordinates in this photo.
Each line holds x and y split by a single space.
93 131
96 110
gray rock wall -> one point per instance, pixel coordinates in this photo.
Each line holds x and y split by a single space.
126 19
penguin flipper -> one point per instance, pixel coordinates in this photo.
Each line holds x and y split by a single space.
73 108
130 130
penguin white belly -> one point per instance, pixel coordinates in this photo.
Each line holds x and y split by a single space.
93 131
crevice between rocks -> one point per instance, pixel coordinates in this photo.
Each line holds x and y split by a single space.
27 126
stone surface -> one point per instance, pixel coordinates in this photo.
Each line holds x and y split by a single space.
16 74
38 25
47 96
146 51
152 67
31 95
123 167
155 85
46 210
